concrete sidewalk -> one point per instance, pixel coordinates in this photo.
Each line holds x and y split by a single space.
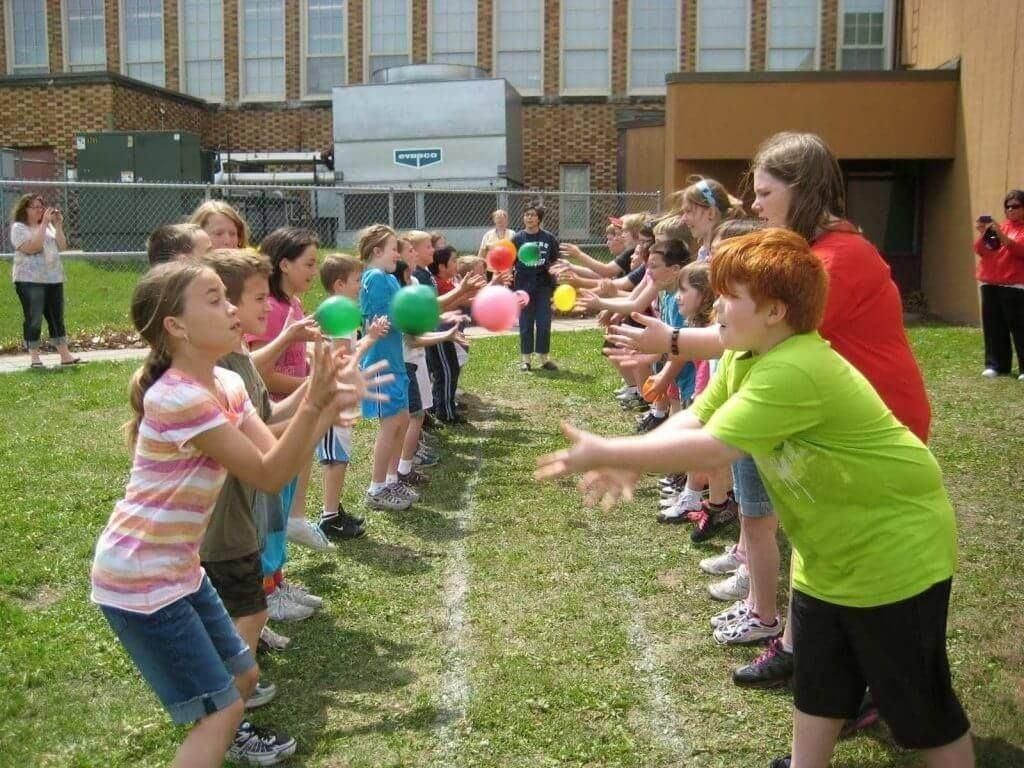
10 363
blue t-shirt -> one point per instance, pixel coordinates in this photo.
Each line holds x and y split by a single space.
376 291
686 380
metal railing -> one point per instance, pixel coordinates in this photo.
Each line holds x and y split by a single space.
110 221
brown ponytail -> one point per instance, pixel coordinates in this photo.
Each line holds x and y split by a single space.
159 294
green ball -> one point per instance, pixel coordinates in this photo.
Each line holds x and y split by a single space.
529 254
415 310
338 316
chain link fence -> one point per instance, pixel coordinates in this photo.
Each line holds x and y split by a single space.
112 220
107 224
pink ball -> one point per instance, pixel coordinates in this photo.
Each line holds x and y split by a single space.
524 298
496 308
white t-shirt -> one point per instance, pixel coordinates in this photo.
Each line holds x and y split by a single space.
491 237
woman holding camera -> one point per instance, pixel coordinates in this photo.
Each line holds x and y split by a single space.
1000 250
37 234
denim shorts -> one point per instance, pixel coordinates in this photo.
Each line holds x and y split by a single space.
750 493
188 652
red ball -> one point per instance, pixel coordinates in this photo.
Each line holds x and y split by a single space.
500 258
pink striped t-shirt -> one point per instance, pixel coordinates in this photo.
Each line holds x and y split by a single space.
148 555
293 361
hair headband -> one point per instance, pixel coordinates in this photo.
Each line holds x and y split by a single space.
706 193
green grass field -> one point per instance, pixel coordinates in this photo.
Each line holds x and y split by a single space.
497 624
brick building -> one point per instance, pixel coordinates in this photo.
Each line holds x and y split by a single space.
255 75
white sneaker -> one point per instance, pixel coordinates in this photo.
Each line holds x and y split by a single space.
749 629
387 498
406 491
722 564
734 612
736 587
629 394
281 608
990 373
1021 377
669 501
307 534
301 595
686 502
274 640
264 694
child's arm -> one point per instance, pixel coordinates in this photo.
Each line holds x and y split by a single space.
637 302
434 338
251 453
655 336
678 445
609 269
666 376
266 353
460 293
378 328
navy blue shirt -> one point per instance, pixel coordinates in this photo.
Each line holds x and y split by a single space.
538 275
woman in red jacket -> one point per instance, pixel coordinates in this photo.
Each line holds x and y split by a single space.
1000 250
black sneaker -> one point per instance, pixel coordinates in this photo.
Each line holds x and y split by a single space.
772 669
649 422
712 520
412 477
342 526
259 746
429 422
547 365
782 762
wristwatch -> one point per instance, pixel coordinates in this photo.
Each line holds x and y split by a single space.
674 347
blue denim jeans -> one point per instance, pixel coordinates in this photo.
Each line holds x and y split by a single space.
38 301
750 491
189 652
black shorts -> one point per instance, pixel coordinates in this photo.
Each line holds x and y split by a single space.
415 401
899 650
239 583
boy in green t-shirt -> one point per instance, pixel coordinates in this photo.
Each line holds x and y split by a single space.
871 572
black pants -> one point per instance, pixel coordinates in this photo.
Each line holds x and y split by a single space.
39 300
1002 319
535 320
443 365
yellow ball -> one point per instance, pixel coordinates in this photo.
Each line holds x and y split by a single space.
565 298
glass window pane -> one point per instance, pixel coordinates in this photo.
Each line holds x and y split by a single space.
586 27
722 34
324 73
87 48
518 43
263 49
389 28
28 33
654 35
202 25
144 40
453 31
586 70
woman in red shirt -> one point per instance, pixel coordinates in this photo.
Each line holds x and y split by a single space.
1000 250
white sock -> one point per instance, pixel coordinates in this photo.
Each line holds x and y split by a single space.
404 466
377 487
392 479
658 412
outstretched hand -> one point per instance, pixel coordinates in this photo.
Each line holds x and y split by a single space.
601 484
654 337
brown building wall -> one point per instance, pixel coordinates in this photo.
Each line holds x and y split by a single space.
113 36
271 129
577 133
292 50
68 109
420 31
172 74
644 158
989 131
53 33
552 45
485 34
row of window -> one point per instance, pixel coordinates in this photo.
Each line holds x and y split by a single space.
723 35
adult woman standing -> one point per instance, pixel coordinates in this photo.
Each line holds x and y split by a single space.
499 231
37 234
1000 250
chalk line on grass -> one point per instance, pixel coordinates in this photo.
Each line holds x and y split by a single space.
455 687
661 714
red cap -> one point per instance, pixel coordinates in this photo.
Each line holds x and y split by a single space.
615 221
